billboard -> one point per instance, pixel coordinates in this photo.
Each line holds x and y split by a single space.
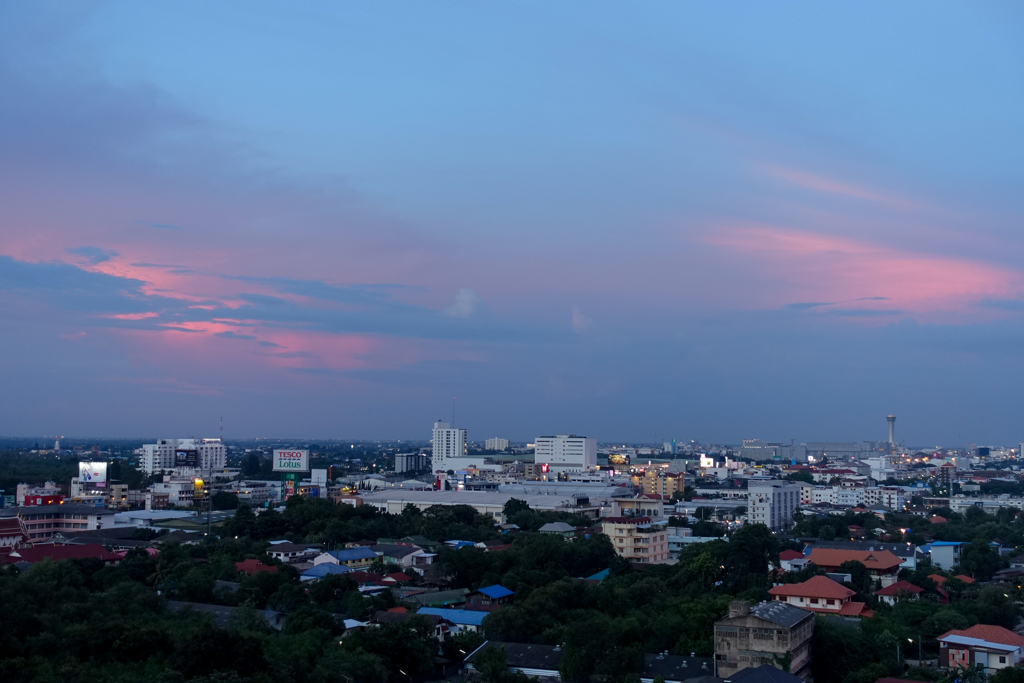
93 474
291 461
318 477
186 458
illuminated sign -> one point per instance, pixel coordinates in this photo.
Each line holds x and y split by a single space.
93 474
186 458
291 461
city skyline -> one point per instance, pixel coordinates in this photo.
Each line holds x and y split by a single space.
632 224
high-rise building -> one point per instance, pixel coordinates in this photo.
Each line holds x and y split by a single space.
447 443
566 452
411 462
771 502
496 444
180 454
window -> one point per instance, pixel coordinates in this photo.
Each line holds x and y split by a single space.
1002 659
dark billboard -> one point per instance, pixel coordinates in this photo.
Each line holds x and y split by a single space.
186 458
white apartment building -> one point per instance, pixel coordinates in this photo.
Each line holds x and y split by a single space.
892 497
180 491
160 456
447 443
496 444
771 502
566 453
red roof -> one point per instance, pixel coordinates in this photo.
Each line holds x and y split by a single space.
856 609
993 634
790 555
364 577
939 579
61 552
937 519
251 567
815 587
399 576
880 560
900 587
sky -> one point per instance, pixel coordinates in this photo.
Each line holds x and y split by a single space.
634 221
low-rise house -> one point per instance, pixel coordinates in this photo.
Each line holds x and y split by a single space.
907 552
751 636
993 647
319 571
765 673
360 556
461 619
560 528
901 590
792 560
945 554
293 553
489 597
882 565
441 626
821 594
402 555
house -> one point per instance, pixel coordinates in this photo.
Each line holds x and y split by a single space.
360 556
821 594
792 560
751 636
561 528
993 647
454 597
323 569
766 673
251 567
488 597
293 553
461 619
402 555
907 552
898 591
946 554
1017 562
940 580
222 613
542 662
882 565
440 625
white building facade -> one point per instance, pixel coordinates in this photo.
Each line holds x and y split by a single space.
160 456
566 453
448 443
771 502
496 444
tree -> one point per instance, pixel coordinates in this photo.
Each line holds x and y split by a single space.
224 500
513 506
803 476
251 465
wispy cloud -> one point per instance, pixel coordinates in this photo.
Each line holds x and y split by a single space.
159 226
93 255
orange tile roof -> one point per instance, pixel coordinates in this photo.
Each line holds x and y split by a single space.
815 587
872 559
856 609
993 634
790 555
939 579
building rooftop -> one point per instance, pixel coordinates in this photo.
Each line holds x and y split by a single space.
781 613
899 587
815 587
766 673
880 560
495 592
61 552
462 617
987 633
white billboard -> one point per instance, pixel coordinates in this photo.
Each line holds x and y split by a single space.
318 477
93 474
291 461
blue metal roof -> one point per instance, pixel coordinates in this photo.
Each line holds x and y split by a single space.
494 592
322 570
462 617
945 543
348 554
600 576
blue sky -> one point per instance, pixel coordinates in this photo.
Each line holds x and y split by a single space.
637 222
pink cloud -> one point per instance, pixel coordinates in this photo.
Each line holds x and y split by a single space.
813 267
834 186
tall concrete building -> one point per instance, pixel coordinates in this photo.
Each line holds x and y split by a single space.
496 444
448 443
566 453
751 636
771 502
170 454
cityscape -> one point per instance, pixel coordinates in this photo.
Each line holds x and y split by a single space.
576 342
